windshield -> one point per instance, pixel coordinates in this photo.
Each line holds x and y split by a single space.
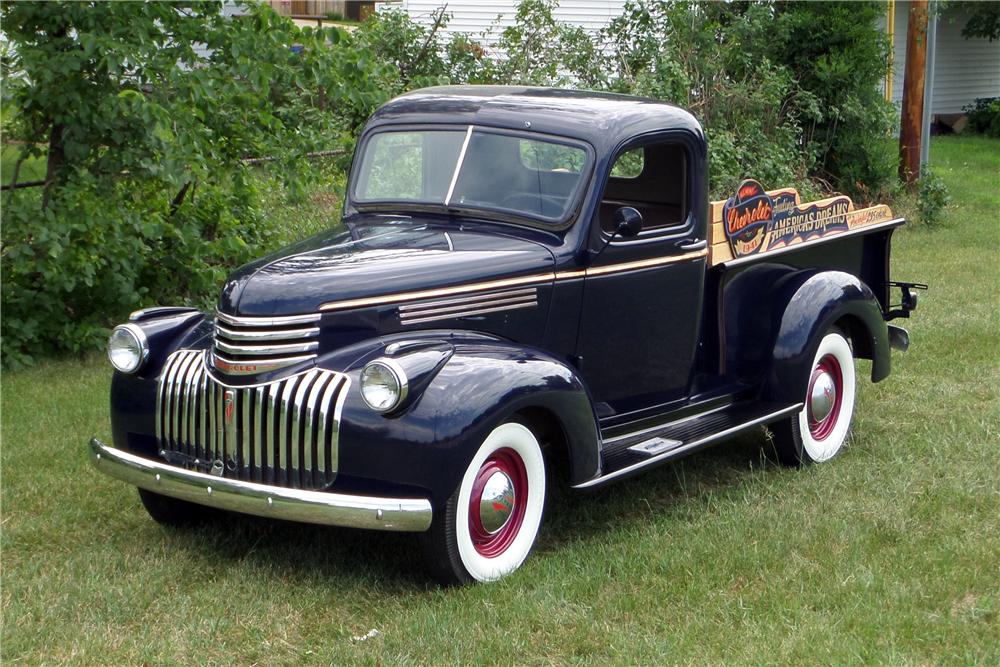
472 168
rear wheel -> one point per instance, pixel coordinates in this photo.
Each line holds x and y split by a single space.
173 512
489 525
818 431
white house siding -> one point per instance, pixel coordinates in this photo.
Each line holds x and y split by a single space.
474 17
964 68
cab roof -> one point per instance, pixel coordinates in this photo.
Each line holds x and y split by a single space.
605 120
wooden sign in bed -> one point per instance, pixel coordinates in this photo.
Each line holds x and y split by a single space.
755 221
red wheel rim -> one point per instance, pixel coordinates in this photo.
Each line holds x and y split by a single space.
827 367
507 462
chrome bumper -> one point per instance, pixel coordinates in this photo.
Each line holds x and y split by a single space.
331 509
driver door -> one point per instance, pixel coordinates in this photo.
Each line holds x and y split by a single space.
642 297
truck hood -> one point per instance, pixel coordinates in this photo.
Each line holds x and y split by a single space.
375 258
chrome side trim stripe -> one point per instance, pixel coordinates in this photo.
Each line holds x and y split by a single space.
246 321
462 301
277 334
387 299
687 446
443 309
442 291
645 263
469 313
266 349
420 311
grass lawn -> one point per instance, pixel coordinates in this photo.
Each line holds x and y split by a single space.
32 169
888 554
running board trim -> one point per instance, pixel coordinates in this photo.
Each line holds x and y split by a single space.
664 426
687 447
655 446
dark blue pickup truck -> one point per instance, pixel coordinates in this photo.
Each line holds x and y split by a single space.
529 285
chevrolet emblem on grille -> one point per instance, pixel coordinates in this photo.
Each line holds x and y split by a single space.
229 410
230 406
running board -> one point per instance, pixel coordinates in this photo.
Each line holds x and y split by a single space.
630 453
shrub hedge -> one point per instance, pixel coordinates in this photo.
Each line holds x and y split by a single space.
145 112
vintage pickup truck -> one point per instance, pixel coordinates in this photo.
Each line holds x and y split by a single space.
529 285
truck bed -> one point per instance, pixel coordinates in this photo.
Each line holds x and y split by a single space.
835 247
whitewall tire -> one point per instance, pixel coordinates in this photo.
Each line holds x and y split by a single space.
818 432
489 525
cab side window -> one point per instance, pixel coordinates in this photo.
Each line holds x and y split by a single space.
653 180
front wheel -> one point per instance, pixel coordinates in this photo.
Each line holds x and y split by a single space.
489 525
818 432
173 511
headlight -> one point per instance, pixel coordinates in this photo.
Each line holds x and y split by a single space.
127 348
383 385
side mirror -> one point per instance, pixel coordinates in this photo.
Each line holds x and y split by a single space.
628 222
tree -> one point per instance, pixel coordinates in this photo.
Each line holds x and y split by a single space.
92 79
984 20
146 113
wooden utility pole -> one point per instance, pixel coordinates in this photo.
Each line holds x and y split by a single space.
911 123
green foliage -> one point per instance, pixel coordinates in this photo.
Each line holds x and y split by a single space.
538 50
140 117
932 197
984 116
695 55
787 92
148 199
983 21
836 52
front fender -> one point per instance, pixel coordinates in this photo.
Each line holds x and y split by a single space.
813 302
430 442
133 396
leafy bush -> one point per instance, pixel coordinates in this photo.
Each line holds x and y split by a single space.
984 116
837 53
148 198
787 92
144 114
932 197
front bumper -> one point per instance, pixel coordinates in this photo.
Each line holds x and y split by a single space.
331 509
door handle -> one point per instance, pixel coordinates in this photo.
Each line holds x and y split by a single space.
691 246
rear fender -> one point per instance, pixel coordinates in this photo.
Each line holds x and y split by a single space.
811 304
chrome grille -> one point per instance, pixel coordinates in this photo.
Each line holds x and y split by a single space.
251 345
466 305
283 433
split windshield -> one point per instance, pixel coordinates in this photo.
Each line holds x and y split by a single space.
472 169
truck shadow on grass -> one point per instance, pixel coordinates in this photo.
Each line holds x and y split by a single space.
675 488
346 559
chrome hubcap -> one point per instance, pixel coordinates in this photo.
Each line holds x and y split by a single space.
823 396
496 505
